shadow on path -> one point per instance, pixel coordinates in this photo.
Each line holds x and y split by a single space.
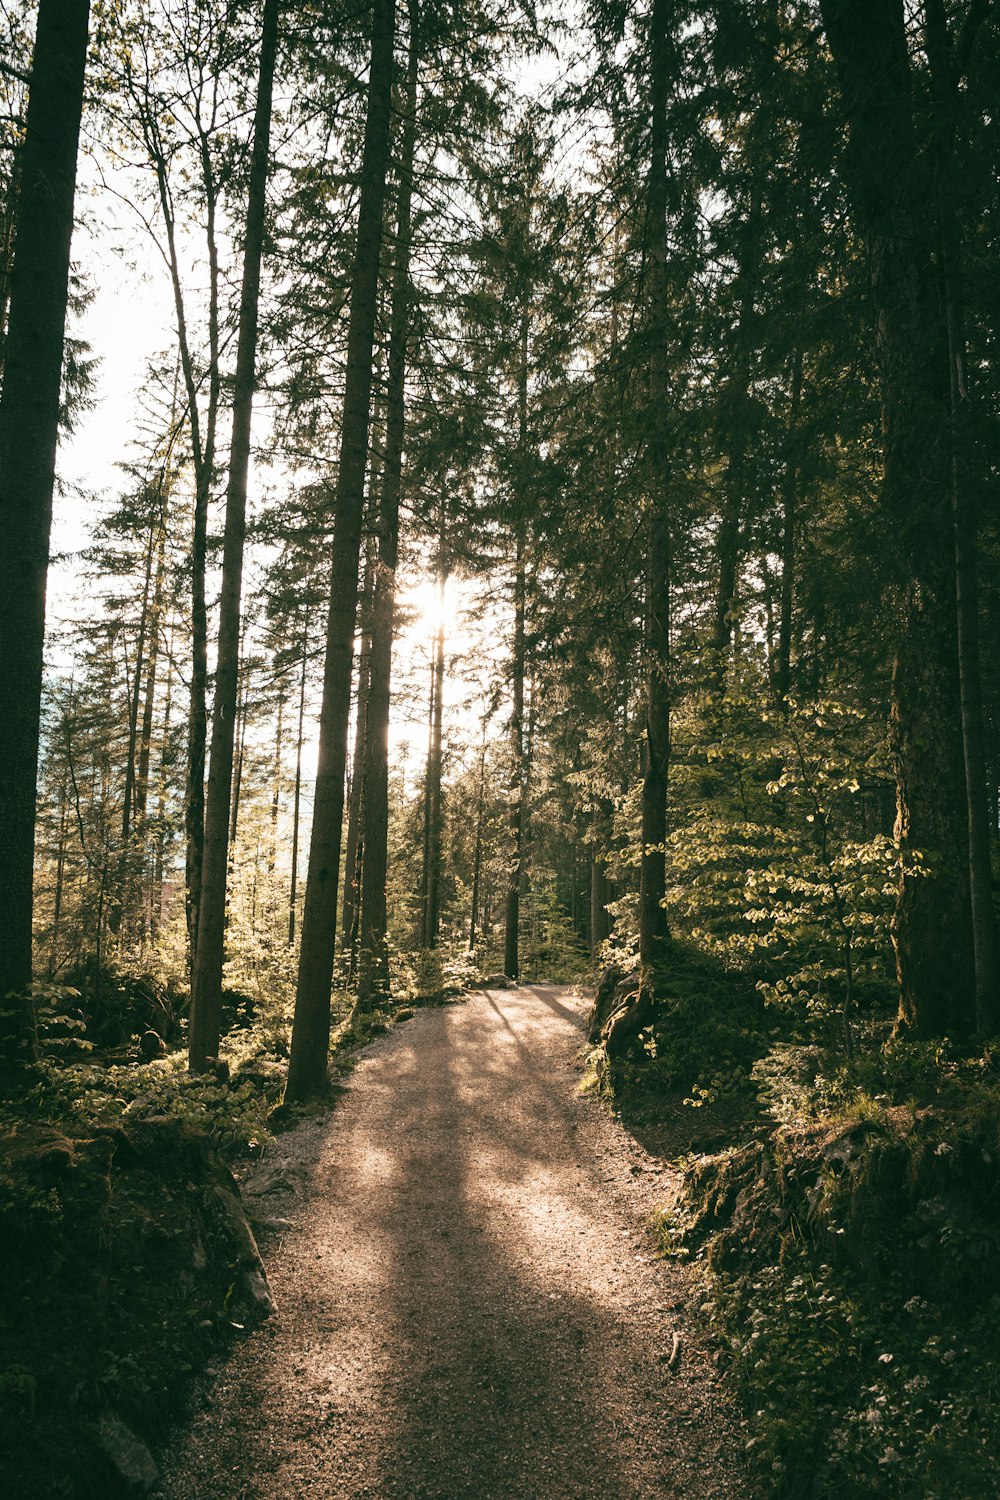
464 1313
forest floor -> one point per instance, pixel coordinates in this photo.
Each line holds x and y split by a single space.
468 1300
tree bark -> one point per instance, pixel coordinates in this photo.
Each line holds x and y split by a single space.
653 931
932 927
152 662
124 862
432 873
206 997
355 801
29 427
477 852
373 962
307 1066
293 889
512 910
789 506
279 745
984 927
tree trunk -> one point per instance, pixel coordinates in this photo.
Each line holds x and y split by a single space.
152 663
373 965
432 880
279 735
29 426
600 886
653 930
477 853
203 462
206 997
311 1028
293 889
125 862
984 928
932 928
239 745
512 913
789 504
355 801
159 861
373 969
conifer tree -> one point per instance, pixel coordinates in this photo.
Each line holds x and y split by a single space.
29 422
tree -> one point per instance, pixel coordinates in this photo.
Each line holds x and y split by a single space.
932 931
653 931
207 985
373 966
311 1029
29 426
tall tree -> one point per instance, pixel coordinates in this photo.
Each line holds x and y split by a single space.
206 995
373 968
653 932
29 426
307 1065
932 930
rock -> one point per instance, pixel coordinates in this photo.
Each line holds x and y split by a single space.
253 1276
610 982
499 982
127 1455
276 1178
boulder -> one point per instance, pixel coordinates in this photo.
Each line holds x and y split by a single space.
126 1455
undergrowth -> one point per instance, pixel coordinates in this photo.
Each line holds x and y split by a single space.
843 1232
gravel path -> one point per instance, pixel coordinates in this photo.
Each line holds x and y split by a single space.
467 1304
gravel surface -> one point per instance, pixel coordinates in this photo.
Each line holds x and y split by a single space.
467 1300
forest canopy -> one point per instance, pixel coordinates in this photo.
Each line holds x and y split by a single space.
657 341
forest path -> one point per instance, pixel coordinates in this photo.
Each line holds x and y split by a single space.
467 1307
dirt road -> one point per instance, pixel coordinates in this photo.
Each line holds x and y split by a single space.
467 1304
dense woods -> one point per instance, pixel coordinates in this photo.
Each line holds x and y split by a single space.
554 536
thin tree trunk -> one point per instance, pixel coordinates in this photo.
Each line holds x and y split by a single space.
425 845
432 908
159 862
152 663
29 426
272 848
60 874
293 889
512 913
203 461
123 870
307 1066
512 910
239 739
206 997
477 853
789 504
356 793
653 930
